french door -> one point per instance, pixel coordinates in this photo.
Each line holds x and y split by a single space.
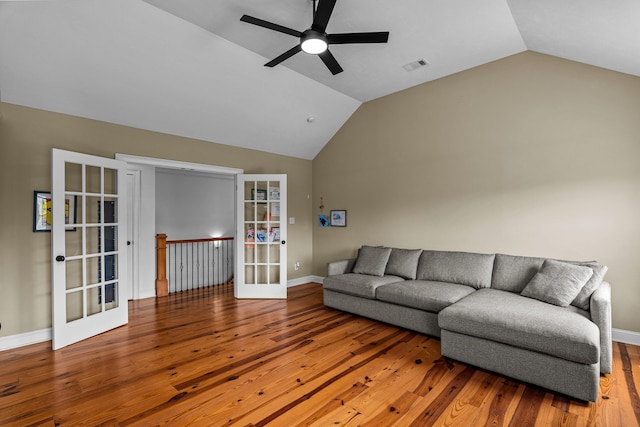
261 250
89 246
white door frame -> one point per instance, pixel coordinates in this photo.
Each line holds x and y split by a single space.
146 237
177 164
134 221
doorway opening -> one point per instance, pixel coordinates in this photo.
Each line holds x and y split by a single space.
195 222
154 174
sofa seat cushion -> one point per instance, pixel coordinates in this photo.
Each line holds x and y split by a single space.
564 332
361 285
422 294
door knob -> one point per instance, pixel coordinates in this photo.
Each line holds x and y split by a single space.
60 258
283 242
128 242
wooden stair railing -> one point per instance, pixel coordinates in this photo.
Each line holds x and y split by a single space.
162 244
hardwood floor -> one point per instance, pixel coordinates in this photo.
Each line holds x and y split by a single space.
203 358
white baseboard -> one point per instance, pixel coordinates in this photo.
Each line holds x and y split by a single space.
34 337
627 337
302 280
27 338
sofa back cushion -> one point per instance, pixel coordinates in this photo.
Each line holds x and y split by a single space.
464 268
583 300
512 273
372 260
403 263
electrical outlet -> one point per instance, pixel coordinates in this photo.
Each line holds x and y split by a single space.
296 266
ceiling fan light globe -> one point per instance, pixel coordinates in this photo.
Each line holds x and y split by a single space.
313 45
313 42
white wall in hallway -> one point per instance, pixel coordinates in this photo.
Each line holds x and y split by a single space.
194 205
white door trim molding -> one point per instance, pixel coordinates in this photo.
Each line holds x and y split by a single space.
135 238
176 164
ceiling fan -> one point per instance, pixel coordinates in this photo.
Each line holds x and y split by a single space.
315 39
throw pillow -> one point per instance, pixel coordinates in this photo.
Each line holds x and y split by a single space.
403 263
557 282
372 260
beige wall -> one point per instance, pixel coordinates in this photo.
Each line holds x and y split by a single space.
26 139
530 155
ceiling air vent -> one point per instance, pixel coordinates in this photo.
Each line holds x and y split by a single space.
415 64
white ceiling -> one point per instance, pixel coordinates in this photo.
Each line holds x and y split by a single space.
191 68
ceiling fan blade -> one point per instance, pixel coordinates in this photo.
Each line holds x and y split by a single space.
288 54
270 25
322 15
330 61
344 38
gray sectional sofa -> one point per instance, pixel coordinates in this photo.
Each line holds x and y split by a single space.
542 321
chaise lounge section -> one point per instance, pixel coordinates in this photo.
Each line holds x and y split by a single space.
541 321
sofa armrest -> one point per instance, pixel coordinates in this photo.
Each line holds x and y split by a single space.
340 267
600 307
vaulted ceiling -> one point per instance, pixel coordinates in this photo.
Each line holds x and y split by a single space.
191 68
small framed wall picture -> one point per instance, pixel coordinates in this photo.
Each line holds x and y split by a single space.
323 221
42 211
338 218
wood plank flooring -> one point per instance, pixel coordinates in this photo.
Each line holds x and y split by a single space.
203 358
